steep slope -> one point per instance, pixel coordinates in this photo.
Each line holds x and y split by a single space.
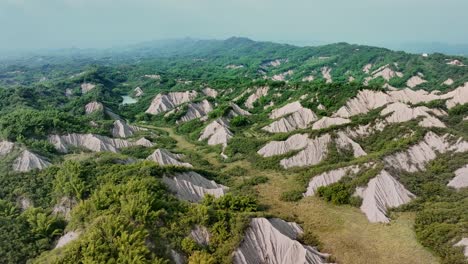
28 161
164 157
165 102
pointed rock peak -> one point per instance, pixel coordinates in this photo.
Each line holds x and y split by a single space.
144 142
197 110
28 161
86 87
210 92
259 92
192 187
461 178
217 132
165 102
93 107
123 130
6 147
164 158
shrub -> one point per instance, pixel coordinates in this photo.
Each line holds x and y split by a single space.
291 196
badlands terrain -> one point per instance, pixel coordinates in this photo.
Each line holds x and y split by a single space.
234 151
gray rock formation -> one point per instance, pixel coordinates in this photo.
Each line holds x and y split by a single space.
93 107
382 192
326 122
28 161
201 235
294 117
400 112
138 92
463 243
416 157
217 132
86 87
326 74
95 143
344 142
165 102
458 96
192 187
274 241
364 101
329 177
164 157
315 151
196 110
415 81
237 111
6 147
461 178
294 142
259 92
123 130
144 142
67 238
210 92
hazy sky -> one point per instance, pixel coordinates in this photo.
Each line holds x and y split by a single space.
27 24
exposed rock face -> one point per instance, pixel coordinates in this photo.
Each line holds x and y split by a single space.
260 92
144 142
192 187
463 243
153 76
308 78
416 157
123 130
275 241
448 82
344 142
217 132
237 111
367 68
28 161
6 147
138 92
326 122
386 73
365 101
24 203
461 178
64 206
282 76
234 67
315 151
165 102
411 96
399 112
298 117
210 92
457 96
67 238
68 92
383 192
163 157
93 107
274 63
274 148
86 87
201 235
329 177
326 74
95 143
415 81
196 110
455 63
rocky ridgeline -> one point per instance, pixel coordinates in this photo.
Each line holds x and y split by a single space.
259 92
93 107
166 158
275 241
28 161
292 117
123 130
330 177
217 132
166 102
192 187
461 178
196 110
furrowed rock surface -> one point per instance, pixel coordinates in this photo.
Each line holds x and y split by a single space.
315 151
344 142
448 82
274 241
123 130
297 117
196 110
28 161
326 122
463 243
364 101
326 74
416 157
400 112
192 187
411 96
164 157
201 235
260 92
86 87
329 177
217 132
367 68
386 73
383 192
64 207
282 76
237 111
210 92
461 178
138 92
165 102
415 81
458 96
6 147
95 143
294 142
144 142
67 238
93 107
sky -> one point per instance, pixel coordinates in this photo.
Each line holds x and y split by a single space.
54 24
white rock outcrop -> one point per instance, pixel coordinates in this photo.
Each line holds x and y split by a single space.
308 78
237 111
164 158
64 207
461 178
367 68
123 130
28 161
210 92
364 101
196 110
297 117
294 142
91 142
326 74
93 107
315 151
6 147
382 192
282 76
463 243
386 73
456 63
326 122
165 102
274 241
138 92
415 81
217 132
329 177
416 157
412 96
144 143
458 96
86 87
448 82
344 142
192 187
201 235
67 238
259 92
400 112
